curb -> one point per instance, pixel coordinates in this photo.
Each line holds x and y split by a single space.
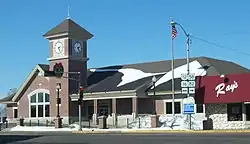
95 132
158 131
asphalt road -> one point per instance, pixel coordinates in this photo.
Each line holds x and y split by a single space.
239 138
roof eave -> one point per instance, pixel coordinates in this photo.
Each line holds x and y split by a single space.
55 35
111 93
7 102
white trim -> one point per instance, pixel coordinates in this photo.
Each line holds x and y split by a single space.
33 72
53 40
76 99
175 100
56 58
163 93
109 92
57 35
38 91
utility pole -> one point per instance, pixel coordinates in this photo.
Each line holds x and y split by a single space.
188 72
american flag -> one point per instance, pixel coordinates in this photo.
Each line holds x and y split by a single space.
174 32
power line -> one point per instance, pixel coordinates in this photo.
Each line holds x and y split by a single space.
218 45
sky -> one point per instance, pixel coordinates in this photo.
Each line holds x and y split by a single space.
125 32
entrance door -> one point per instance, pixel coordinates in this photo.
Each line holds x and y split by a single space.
104 110
90 111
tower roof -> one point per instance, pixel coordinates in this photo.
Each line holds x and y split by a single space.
68 28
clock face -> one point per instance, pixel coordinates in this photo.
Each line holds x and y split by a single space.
77 47
58 47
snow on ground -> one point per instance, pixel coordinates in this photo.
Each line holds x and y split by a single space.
39 128
43 128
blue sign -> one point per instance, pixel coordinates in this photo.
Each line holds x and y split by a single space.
188 108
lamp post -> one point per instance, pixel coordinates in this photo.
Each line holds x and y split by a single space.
58 87
188 55
80 100
154 80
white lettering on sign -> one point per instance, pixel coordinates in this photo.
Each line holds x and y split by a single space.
222 88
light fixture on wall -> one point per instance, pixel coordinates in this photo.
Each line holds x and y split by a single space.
225 79
222 76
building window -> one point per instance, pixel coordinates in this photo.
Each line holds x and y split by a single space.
32 111
247 106
177 107
234 112
15 112
39 105
199 108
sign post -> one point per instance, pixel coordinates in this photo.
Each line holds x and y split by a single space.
188 87
188 83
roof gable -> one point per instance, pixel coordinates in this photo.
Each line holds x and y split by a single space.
38 69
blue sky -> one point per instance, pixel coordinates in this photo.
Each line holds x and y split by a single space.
125 31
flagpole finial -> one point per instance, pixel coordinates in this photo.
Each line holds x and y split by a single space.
172 22
68 13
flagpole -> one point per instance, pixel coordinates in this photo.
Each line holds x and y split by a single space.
172 66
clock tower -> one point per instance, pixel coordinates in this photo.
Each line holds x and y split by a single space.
68 46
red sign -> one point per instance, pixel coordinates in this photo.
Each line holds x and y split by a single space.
229 89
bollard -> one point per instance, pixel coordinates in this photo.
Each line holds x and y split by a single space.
0 126
30 122
37 122
127 122
139 122
6 126
89 123
47 123
21 120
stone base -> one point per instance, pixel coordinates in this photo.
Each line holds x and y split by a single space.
94 119
114 119
58 122
154 121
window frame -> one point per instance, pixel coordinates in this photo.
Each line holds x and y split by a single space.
36 104
203 109
231 114
15 108
176 100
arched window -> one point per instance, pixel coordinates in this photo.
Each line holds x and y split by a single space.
39 105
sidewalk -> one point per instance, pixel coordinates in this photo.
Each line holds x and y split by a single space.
156 131
102 131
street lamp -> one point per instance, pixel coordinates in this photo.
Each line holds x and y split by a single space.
154 81
58 87
80 101
173 23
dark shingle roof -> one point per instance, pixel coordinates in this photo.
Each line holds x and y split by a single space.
7 98
44 67
108 80
70 27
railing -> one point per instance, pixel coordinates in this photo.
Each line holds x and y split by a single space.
142 121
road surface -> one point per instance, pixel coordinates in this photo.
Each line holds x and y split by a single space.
175 138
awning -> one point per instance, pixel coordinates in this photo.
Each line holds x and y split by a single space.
232 88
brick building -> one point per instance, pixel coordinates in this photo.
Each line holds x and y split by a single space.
121 91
